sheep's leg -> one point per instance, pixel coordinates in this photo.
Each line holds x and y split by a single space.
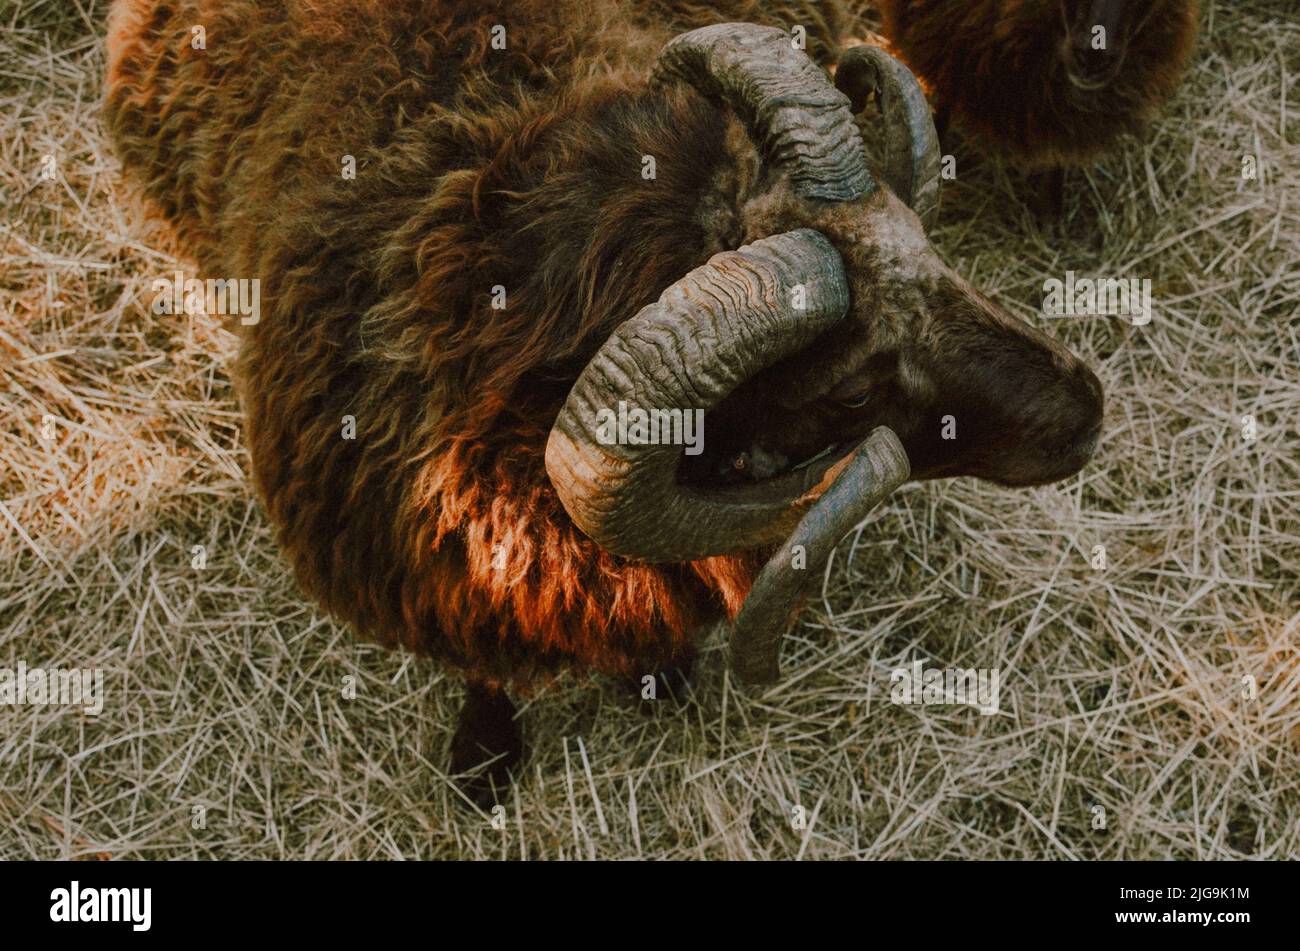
487 743
1047 196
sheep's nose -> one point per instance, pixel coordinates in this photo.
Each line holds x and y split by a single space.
1078 454
1093 69
1084 412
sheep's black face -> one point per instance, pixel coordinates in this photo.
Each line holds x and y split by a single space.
1114 43
1098 37
984 394
969 389
1000 403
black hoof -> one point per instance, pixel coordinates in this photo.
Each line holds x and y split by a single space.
486 745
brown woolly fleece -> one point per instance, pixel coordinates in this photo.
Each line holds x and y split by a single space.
995 68
478 170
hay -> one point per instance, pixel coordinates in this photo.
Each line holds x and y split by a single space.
1122 688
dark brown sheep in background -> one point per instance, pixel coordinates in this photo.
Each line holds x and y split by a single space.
503 265
1026 80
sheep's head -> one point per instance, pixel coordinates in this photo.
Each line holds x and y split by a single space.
838 319
968 388
1097 36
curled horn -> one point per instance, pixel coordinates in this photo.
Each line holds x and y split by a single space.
876 468
707 334
911 143
801 121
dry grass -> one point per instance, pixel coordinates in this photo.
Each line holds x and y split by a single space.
1122 687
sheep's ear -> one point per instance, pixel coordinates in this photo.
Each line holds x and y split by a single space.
911 142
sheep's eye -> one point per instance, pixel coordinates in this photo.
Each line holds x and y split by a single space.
855 404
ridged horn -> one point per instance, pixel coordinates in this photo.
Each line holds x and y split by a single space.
801 121
911 143
712 330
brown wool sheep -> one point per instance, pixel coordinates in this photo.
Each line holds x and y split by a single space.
544 220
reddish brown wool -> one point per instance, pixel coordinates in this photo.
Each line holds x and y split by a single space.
436 528
997 69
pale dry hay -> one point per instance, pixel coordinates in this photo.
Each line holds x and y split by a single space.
1122 688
